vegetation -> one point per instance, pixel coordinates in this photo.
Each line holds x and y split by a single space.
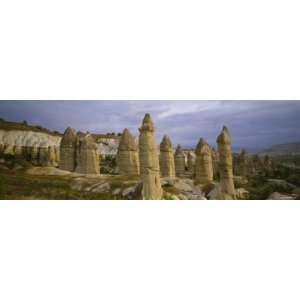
20 186
6 125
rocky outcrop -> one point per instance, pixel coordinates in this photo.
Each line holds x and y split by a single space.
204 165
87 159
179 162
127 157
68 150
149 162
29 145
166 158
227 190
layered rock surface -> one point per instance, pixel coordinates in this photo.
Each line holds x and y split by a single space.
149 161
127 156
87 158
179 161
204 165
166 158
227 190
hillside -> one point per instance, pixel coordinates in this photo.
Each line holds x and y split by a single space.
6 125
282 149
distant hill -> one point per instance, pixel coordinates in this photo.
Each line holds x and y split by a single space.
282 149
24 126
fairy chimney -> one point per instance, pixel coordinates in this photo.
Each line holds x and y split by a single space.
127 156
68 150
225 165
204 164
87 159
166 158
179 162
149 162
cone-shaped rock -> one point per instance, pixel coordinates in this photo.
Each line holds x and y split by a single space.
225 165
87 158
149 162
127 156
166 158
179 161
68 150
204 165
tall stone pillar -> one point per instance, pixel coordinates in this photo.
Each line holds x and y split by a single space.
87 158
68 150
179 162
149 162
226 172
166 158
127 156
204 165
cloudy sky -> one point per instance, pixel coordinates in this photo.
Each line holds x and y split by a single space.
253 124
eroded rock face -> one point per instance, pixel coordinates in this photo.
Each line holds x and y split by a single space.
227 190
87 159
179 162
68 150
166 158
149 163
127 156
204 165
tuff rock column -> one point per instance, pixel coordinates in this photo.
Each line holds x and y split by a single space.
227 190
87 158
179 161
204 166
166 158
149 163
68 150
127 156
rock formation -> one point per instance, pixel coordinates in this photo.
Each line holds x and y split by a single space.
43 157
68 150
242 164
204 165
166 158
52 156
149 162
215 159
127 156
191 160
179 162
33 154
227 190
87 159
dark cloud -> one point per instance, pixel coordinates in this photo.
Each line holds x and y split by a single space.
253 124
